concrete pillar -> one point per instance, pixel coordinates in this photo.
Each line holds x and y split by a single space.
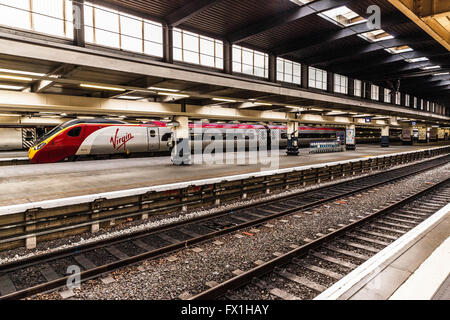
330 81
422 138
385 136
351 87
407 135
78 23
168 44
292 136
181 152
350 137
272 68
227 57
305 76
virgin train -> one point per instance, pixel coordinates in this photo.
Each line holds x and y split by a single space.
102 137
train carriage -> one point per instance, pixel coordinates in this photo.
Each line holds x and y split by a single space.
93 137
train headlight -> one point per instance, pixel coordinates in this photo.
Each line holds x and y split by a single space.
40 146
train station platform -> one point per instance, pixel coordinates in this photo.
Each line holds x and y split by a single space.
38 182
414 267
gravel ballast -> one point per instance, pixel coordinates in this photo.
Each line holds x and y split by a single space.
189 273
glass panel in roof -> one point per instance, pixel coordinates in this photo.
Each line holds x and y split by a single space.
343 16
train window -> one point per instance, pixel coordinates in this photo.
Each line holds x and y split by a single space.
166 136
284 135
75 132
152 133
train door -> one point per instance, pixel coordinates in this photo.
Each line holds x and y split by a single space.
72 140
153 139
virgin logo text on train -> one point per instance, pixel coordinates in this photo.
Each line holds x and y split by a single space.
118 142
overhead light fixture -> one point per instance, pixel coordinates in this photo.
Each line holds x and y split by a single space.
417 59
130 97
223 100
17 78
8 87
173 94
22 72
10 115
93 86
262 104
163 89
430 67
441 74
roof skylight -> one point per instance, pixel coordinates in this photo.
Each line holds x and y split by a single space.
417 59
430 67
376 35
301 2
400 49
342 16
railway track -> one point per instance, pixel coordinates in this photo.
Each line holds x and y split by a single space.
45 272
308 270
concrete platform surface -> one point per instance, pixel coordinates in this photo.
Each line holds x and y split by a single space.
31 183
417 273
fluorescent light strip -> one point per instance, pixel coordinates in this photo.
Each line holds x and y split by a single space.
8 87
22 72
173 94
223 100
163 89
17 78
262 104
441 74
430 67
92 86
130 97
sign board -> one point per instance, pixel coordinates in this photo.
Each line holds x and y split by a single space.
350 136
413 123
368 120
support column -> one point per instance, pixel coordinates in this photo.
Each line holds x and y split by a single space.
350 137
305 76
385 136
330 81
78 23
351 87
227 57
292 136
272 68
422 135
168 44
407 135
181 152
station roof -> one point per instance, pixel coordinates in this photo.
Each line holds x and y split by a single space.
294 30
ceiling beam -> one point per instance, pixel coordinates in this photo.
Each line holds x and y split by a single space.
351 52
396 67
405 72
191 9
357 66
283 18
306 43
424 13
